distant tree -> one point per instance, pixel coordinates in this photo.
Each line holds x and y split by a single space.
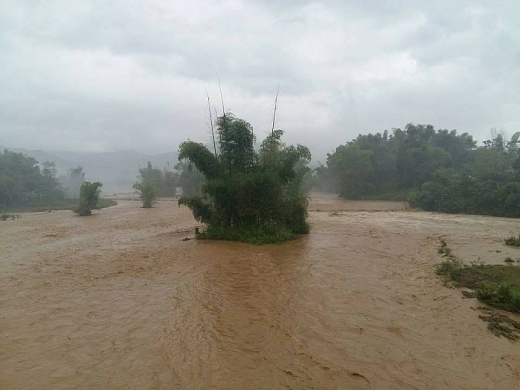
147 193
149 184
490 163
169 183
21 181
323 179
52 186
353 170
88 198
401 160
422 162
72 182
489 183
190 179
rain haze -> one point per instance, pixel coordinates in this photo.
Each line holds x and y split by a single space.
96 76
353 225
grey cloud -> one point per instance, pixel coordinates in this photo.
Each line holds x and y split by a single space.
109 75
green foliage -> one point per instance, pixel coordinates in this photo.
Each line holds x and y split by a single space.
189 179
149 184
513 241
496 285
451 268
500 295
153 183
353 169
515 302
249 234
5 217
169 183
385 163
502 326
439 169
22 183
249 196
88 198
147 193
72 181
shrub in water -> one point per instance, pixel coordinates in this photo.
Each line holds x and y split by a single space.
88 198
249 196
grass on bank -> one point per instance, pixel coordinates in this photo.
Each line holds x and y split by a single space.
496 285
66 204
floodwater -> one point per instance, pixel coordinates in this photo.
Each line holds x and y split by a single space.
121 300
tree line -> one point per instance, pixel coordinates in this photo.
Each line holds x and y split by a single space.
25 185
436 170
242 192
23 182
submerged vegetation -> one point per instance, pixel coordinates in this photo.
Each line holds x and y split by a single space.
5 217
149 185
496 285
248 195
436 170
513 241
88 198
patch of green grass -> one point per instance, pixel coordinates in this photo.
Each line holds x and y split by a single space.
451 268
508 260
496 285
513 241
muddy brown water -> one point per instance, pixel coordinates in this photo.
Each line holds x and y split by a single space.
120 300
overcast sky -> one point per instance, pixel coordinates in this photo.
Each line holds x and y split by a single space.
110 75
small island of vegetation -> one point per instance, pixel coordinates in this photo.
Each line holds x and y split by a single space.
248 195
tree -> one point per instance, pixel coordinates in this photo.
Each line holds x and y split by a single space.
72 182
169 183
147 193
88 198
353 170
22 183
190 180
149 184
248 195
422 162
53 186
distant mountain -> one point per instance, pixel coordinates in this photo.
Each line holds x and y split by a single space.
116 170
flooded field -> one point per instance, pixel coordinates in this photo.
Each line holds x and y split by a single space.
122 300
